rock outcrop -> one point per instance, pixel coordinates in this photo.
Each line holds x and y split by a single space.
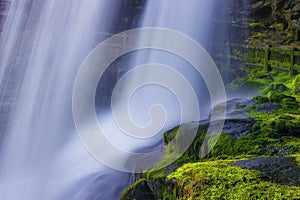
263 134
275 23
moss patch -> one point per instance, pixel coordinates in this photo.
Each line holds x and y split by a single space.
222 180
275 132
296 85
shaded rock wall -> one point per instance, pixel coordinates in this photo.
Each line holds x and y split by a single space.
275 23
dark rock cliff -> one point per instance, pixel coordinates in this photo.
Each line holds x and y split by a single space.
275 23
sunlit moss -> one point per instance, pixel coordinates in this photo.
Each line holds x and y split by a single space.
223 147
223 180
276 132
277 97
296 85
297 159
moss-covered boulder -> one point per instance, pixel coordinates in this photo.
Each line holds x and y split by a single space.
285 125
290 105
266 126
226 179
223 180
260 99
280 170
277 87
237 124
223 147
278 97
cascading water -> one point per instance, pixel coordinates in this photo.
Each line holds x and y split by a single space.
42 46
45 42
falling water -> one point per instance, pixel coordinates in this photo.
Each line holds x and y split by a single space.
42 47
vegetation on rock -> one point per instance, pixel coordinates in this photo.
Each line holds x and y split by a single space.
257 156
275 132
223 180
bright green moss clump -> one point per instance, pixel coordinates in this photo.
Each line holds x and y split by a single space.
222 180
260 99
274 130
296 84
223 147
277 87
278 97
297 159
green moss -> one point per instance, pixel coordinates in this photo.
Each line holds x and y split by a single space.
169 135
246 84
155 174
278 97
173 152
260 99
296 85
275 132
208 145
192 152
278 26
272 133
256 24
282 77
222 180
256 79
275 87
285 125
131 188
223 146
291 105
297 159
252 144
289 145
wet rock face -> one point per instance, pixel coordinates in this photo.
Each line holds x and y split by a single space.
141 191
274 22
237 123
260 9
149 190
295 15
282 170
238 128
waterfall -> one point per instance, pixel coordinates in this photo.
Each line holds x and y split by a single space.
43 44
